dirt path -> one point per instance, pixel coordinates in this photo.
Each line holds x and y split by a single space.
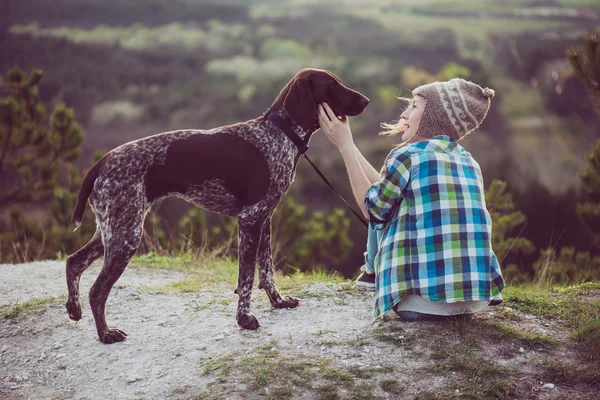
187 345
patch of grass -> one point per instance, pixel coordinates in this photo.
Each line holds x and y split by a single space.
576 307
392 386
184 262
507 315
267 370
221 365
334 374
356 342
582 289
327 392
31 306
213 302
427 395
362 391
369 373
457 350
562 303
294 284
528 338
391 334
280 392
322 332
560 372
587 338
213 272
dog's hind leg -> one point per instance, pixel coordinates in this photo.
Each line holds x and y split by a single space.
265 268
248 242
76 264
119 249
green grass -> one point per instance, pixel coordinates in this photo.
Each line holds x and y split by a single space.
563 373
208 273
562 303
392 386
268 372
577 307
11 312
524 337
475 374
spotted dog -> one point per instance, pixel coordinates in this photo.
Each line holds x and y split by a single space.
242 170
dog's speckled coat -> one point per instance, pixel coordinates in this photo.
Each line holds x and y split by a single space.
242 170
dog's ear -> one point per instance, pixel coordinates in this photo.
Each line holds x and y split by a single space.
300 105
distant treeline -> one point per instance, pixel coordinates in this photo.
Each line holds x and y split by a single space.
241 65
89 13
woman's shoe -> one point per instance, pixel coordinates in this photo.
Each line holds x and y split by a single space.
365 280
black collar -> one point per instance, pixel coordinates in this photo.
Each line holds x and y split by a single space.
303 147
289 132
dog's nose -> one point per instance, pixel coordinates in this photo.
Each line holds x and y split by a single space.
364 101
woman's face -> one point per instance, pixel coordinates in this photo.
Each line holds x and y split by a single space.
412 117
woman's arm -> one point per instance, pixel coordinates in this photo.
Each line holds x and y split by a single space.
339 134
367 168
358 179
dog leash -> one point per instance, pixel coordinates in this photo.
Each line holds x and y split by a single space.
303 148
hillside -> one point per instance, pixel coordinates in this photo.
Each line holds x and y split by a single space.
184 343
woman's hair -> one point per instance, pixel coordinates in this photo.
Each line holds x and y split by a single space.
395 127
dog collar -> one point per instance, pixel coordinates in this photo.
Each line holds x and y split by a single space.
285 128
303 147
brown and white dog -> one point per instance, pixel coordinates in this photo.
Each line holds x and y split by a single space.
242 170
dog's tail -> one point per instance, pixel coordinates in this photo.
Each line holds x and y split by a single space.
84 192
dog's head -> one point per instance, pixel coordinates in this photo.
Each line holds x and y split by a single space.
310 87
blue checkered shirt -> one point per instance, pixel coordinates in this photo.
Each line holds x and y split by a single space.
430 203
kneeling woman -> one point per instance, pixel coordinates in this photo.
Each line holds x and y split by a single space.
429 249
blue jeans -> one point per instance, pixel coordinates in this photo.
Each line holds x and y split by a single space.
373 243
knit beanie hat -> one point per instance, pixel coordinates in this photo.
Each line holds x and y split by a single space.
454 108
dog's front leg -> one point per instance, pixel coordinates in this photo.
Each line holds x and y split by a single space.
248 241
265 267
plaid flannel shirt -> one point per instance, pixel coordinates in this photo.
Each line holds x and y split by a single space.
436 243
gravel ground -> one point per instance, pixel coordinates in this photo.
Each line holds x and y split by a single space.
177 340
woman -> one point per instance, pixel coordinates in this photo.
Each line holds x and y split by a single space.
428 222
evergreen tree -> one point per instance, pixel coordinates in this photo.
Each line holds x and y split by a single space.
31 158
30 153
505 220
585 61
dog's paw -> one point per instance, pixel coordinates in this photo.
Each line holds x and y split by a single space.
74 310
112 335
286 302
248 321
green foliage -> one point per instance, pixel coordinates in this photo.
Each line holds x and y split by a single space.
204 232
30 161
589 209
22 239
282 49
299 242
454 70
505 220
31 154
312 242
585 61
569 266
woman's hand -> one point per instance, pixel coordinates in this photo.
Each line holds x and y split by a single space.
338 132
